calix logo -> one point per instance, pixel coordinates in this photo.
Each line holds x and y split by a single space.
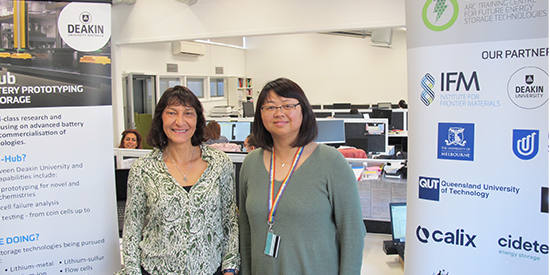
458 237
525 143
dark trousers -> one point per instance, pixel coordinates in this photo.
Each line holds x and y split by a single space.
218 272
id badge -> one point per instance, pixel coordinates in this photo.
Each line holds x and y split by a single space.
272 245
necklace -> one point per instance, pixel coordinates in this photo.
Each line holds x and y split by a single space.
188 169
283 163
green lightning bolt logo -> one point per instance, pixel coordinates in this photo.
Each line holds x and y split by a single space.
439 9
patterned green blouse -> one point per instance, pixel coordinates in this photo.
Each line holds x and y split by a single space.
170 231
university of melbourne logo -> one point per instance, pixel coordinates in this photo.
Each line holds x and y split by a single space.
456 141
439 15
428 188
525 143
427 83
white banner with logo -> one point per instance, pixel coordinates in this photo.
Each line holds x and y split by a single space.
57 193
478 132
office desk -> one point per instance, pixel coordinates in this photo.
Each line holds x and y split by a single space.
375 261
398 134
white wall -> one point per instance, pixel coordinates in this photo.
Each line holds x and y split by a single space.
151 59
331 68
169 20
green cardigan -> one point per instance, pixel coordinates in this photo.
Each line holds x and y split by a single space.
318 219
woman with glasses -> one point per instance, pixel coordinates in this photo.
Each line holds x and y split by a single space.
299 210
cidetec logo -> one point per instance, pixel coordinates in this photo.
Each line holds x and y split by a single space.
428 188
518 243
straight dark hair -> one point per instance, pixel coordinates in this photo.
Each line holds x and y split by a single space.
287 88
177 95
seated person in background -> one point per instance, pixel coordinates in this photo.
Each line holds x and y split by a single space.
213 134
402 104
354 111
131 139
249 143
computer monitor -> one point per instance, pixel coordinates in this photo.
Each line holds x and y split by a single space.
322 114
359 143
344 115
248 109
397 121
398 218
381 113
384 105
121 182
361 135
341 105
360 106
235 131
398 221
331 131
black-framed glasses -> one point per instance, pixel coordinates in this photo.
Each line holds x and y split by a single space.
286 108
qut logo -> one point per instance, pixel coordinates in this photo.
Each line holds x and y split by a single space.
8 79
428 188
458 237
525 143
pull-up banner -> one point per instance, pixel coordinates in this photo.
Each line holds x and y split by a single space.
57 194
478 179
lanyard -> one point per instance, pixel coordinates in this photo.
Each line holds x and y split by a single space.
274 202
